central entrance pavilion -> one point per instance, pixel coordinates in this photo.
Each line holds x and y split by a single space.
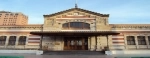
75 29
75 40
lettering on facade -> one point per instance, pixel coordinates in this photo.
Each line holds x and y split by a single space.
57 43
77 20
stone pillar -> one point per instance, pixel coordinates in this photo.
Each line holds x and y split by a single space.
93 43
7 40
17 40
136 42
99 47
125 40
89 43
62 43
26 42
107 42
147 42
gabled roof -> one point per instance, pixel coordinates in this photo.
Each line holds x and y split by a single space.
79 9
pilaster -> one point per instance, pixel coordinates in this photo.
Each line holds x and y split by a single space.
89 43
17 39
125 40
93 43
99 47
26 41
147 42
136 42
7 40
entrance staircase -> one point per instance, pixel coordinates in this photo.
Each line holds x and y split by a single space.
74 52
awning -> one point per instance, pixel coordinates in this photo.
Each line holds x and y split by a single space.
74 33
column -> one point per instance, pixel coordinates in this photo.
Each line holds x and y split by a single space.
147 41
99 46
95 43
107 42
26 41
41 42
7 40
16 43
17 39
62 43
89 43
126 44
136 42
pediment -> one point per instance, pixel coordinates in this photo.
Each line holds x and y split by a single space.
76 12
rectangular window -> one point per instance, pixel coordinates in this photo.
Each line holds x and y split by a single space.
141 40
16 14
149 39
12 40
22 40
130 40
6 14
2 40
11 14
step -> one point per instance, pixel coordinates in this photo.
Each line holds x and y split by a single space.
74 53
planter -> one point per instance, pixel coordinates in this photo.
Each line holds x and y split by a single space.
39 52
108 52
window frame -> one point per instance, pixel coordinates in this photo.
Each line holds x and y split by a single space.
22 41
141 41
76 25
130 40
149 39
12 41
3 41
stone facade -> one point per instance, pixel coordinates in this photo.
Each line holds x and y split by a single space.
97 21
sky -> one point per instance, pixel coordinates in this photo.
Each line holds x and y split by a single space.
120 11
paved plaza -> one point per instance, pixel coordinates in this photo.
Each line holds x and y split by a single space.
58 56
74 56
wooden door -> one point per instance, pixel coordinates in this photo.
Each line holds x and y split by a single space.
74 43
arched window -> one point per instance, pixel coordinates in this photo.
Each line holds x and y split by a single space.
76 25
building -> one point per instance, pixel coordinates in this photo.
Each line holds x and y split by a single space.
13 18
77 29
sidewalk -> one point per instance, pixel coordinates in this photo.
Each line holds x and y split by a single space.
59 56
